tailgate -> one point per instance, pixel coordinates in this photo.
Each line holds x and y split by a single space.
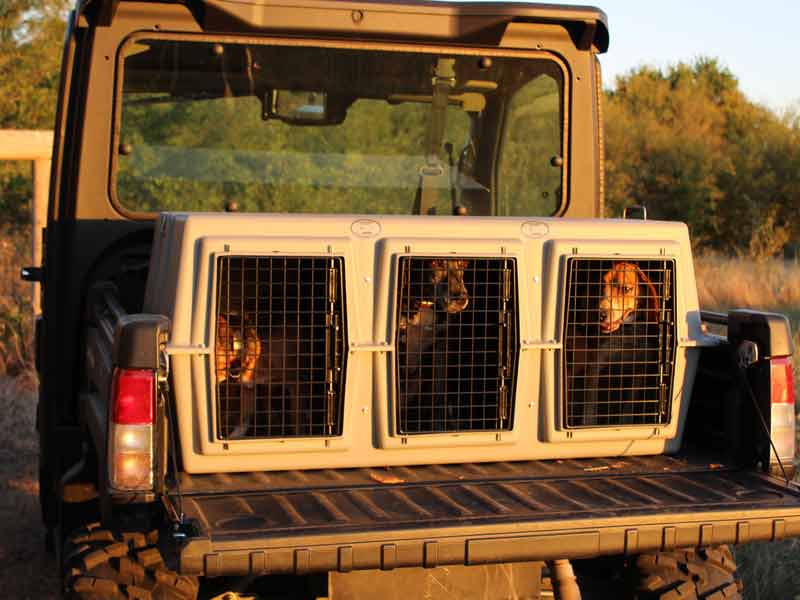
313 521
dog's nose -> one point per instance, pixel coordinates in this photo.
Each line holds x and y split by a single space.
603 315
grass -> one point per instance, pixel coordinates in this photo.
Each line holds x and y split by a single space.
771 571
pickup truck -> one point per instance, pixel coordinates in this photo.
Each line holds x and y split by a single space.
330 311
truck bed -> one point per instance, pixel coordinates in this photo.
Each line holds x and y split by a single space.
341 520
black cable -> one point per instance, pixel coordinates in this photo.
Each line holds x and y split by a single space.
173 448
743 374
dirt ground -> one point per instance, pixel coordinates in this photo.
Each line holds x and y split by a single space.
27 571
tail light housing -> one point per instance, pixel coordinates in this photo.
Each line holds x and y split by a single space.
130 446
782 412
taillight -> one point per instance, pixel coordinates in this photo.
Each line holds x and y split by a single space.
782 421
130 447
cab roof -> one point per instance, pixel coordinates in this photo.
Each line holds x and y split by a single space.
468 22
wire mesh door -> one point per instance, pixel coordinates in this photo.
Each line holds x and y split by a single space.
280 339
619 332
456 344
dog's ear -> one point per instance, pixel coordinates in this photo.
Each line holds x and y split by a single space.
222 326
652 295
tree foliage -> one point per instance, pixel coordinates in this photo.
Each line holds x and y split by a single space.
688 144
31 36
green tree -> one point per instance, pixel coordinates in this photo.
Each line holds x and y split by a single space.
688 144
31 38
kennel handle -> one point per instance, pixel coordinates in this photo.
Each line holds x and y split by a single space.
176 349
379 347
541 345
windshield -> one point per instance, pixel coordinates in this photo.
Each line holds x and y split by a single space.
277 128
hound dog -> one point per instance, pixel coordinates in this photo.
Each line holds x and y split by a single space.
627 310
422 341
243 357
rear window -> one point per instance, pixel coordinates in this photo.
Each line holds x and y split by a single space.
276 128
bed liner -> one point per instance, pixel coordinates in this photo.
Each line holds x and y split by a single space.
342 520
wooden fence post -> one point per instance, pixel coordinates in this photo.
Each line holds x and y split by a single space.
36 146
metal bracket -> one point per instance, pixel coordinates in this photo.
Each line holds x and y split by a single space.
541 345
703 341
746 354
371 347
175 349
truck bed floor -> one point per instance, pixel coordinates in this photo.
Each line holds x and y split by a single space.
302 521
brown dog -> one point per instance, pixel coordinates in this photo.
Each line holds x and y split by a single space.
629 304
235 357
626 290
447 278
422 325
243 358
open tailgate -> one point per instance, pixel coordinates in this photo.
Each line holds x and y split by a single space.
342 520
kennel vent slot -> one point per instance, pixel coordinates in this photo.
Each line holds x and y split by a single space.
456 343
279 346
619 333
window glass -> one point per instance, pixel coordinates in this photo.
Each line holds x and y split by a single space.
529 175
291 129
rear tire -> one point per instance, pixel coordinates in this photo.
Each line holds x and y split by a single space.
704 574
99 564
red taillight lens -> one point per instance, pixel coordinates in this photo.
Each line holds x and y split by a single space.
133 395
781 382
782 415
130 447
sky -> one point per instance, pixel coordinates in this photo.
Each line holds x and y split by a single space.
758 41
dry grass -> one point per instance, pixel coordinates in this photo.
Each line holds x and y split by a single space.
772 285
741 283
771 571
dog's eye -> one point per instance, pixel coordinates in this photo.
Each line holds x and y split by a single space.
628 289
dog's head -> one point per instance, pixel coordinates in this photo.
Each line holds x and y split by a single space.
236 354
447 278
626 292
228 351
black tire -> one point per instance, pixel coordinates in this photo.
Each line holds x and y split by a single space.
99 564
704 574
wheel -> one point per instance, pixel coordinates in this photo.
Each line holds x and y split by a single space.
704 574
99 564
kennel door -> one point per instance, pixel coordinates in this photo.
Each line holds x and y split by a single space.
456 344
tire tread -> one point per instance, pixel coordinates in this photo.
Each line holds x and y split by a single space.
704 574
102 565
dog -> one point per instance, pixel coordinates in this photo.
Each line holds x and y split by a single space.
627 311
234 355
273 362
623 300
422 341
